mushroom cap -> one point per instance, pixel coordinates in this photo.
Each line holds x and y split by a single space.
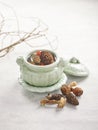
47 57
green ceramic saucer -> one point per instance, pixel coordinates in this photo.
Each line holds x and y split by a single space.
44 89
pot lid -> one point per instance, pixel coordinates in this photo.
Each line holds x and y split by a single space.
74 67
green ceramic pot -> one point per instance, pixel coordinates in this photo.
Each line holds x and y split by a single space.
41 76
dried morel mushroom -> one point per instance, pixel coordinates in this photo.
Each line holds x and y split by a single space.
54 96
61 103
41 58
69 93
77 91
72 84
46 57
71 98
54 99
65 89
36 59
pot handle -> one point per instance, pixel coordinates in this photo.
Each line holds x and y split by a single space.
20 60
61 63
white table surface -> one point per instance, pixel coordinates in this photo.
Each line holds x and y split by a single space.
75 22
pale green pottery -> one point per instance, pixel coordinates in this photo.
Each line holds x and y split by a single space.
41 76
74 67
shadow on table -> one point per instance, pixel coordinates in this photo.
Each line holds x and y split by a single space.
34 96
75 78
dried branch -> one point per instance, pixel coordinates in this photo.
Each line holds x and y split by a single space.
25 38
1 22
22 35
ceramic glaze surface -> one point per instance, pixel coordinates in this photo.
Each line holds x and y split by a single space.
75 68
41 75
39 89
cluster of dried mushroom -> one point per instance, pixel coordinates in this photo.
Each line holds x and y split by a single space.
69 93
41 58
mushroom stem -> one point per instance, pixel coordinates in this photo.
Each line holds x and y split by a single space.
61 103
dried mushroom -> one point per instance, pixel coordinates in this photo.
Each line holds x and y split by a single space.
69 93
36 59
72 84
54 99
54 96
41 58
61 103
71 98
46 57
77 91
65 89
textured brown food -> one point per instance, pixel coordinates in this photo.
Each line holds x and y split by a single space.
65 89
71 98
46 57
54 96
72 84
60 103
77 91
36 59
